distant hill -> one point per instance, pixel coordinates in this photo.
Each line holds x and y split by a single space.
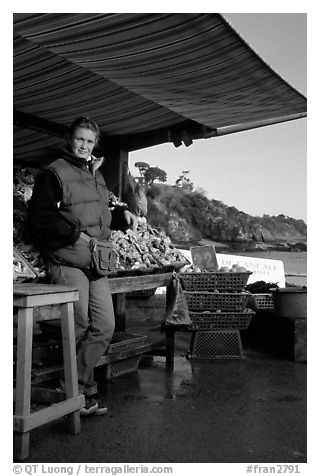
190 218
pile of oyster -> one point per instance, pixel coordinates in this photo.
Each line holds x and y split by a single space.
145 248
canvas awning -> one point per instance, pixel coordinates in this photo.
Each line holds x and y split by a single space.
146 78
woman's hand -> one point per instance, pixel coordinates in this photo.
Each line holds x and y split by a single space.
131 220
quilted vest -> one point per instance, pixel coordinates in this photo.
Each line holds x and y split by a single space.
84 203
85 198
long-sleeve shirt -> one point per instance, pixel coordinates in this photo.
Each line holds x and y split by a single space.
45 223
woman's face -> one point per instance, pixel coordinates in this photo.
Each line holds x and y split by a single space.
82 142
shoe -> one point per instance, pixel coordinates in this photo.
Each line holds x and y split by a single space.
90 407
103 410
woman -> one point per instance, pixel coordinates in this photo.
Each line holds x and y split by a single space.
70 201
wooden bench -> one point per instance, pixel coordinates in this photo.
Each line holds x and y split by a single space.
26 296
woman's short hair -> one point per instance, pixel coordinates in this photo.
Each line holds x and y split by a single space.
86 123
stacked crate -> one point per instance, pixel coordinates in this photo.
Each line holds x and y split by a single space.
263 301
217 303
122 343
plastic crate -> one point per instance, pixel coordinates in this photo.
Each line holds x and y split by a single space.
261 301
121 367
207 301
121 342
211 281
209 321
220 344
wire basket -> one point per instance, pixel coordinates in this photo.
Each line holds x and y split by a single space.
207 301
262 301
122 342
121 367
209 321
221 344
211 281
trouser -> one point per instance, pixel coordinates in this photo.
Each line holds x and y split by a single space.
93 316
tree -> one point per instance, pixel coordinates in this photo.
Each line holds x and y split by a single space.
184 182
154 173
143 167
202 191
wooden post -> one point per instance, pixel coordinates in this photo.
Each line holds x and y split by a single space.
23 378
123 166
114 168
169 331
70 363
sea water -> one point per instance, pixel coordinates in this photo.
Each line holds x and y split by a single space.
294 262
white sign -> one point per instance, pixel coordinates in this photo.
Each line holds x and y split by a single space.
268 270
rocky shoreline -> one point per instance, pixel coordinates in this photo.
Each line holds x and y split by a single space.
234 247
291 247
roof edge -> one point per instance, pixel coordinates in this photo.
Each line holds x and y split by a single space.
220 131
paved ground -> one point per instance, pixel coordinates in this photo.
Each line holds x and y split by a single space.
219 411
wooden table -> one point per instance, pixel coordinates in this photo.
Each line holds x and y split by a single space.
25 297
162 345
119 287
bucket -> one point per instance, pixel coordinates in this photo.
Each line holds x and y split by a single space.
290 302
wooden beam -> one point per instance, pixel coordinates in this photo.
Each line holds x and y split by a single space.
48 414
108 143
138 283
164 135
36 123
245 126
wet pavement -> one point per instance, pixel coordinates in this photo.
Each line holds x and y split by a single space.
216 411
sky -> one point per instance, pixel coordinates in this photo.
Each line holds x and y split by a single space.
260 171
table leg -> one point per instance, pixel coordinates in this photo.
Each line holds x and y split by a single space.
170 293
170 348
119 304
169 330
70 363
240 345
23 379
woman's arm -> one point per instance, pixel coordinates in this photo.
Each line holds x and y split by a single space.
131 220
122 219
46 226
